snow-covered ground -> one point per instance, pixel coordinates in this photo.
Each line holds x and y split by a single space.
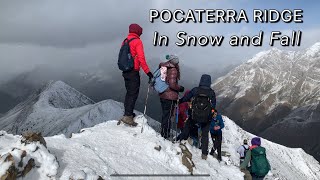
107 149
110 149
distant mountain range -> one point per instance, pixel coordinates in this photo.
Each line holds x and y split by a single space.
276 94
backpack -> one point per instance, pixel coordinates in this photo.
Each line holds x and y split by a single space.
259 163
245 150
125 59
159 80
201 106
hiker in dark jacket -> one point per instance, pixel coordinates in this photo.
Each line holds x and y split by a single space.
257 157
204 85
216 127
132 78
169 97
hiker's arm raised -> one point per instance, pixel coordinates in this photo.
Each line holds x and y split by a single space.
187 97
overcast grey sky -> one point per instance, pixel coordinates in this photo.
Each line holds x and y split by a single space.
82 33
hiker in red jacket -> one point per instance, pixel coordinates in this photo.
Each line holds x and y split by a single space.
132 78
183 112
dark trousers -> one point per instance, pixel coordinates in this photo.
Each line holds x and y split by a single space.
168 107
217 141
132 83
189 126
254 177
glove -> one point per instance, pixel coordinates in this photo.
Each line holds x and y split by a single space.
150 75
181 89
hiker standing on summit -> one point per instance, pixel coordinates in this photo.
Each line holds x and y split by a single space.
203 101
132 76
170 96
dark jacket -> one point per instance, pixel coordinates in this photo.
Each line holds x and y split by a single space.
205 83
216 121
173 75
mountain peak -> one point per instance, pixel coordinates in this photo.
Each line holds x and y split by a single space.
313 50
261 55
60 95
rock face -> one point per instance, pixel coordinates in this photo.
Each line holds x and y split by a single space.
276 90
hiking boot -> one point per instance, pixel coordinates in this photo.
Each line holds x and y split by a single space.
203 156
129 120
212 151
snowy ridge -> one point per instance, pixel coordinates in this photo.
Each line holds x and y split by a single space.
61 95
59 109
123 150
286 163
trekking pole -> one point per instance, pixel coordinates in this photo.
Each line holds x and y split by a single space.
177 119
145 107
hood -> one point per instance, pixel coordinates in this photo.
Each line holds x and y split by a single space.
168 64
205 80
135 28
256 141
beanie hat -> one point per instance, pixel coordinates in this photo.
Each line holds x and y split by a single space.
245 141
135 28
173 59
256 141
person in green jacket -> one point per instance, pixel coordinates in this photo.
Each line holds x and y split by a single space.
259 164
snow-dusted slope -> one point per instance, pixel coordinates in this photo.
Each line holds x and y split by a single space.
274 78
274 90
56 109
110 149
286 163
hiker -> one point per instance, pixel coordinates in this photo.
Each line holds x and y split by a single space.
132 76
259 164
216 127
203 100
169 97
183 112
242 150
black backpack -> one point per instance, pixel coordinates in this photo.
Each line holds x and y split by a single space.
201 106
125 59
245 150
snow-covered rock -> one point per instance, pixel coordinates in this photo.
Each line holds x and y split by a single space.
25 161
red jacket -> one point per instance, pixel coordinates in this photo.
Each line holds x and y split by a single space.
183 112
137 52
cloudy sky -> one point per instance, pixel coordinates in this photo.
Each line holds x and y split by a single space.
83 33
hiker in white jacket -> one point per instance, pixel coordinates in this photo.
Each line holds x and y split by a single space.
242 150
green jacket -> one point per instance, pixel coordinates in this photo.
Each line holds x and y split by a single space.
259 162
246 161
